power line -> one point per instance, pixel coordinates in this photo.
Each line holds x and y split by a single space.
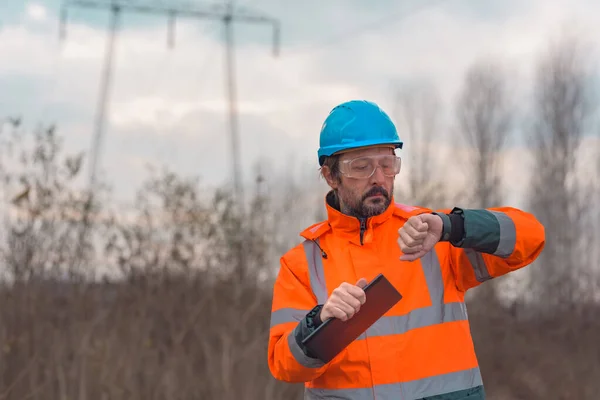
226 13
223 12
377 24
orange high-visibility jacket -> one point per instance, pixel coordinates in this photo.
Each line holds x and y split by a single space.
422 346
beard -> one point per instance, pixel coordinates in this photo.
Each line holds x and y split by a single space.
362 206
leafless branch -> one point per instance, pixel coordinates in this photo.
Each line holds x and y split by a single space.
484 114
564 105
417 113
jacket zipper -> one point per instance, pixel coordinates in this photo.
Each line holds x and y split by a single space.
363 228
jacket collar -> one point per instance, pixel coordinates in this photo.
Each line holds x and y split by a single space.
351 227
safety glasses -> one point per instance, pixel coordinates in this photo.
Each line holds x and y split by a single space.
365 167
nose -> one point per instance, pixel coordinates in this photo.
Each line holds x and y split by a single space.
378 177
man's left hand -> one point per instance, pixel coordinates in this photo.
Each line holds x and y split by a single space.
418 235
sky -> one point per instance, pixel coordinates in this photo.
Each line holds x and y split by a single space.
168 106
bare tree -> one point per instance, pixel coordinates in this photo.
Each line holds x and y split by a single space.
183 326
418 117
591 209
40 206
484 113
144 336
596 207
563 109
588 180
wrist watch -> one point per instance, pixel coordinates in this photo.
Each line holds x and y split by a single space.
447 226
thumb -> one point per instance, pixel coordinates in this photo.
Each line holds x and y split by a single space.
362 282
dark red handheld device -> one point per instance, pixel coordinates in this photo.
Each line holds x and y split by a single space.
334 335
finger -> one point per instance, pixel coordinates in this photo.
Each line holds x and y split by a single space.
345 307
325 313
358 293
411 250
354 288
362 297
408 244
414 232
403 246
351 297
412 239
418 224
339 313
413 257
341 297
362 282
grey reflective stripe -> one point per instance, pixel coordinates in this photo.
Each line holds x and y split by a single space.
412 390
315 269
431 386
284 315
418 318
476 259
437 313
433 275
299 355
508 235
339 394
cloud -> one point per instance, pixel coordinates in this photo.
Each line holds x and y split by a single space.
36 12
170 105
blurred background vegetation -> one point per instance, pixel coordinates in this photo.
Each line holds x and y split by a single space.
170 298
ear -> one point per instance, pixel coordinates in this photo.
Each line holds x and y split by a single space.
331 181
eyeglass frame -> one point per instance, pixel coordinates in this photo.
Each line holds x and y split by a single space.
347 162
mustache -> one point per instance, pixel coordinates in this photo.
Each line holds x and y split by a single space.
376 190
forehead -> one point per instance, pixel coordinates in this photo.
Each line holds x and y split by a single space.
366 151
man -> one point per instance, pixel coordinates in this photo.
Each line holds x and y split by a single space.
422 347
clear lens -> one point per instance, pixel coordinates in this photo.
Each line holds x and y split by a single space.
364 167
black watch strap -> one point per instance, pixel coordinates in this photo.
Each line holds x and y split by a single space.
447 227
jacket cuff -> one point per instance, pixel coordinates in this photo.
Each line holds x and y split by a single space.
453 229
459 231
307 326
446 227
480 232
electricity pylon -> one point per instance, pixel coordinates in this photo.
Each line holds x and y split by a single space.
225 13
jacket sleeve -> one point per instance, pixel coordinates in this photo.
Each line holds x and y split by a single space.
293 315
494 242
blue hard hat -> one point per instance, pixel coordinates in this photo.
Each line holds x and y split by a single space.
353 124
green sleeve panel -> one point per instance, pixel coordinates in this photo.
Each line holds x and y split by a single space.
484 243
482 231
487 231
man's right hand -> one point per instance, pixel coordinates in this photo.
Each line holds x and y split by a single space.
345 301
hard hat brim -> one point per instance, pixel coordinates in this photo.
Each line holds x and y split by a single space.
339 149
